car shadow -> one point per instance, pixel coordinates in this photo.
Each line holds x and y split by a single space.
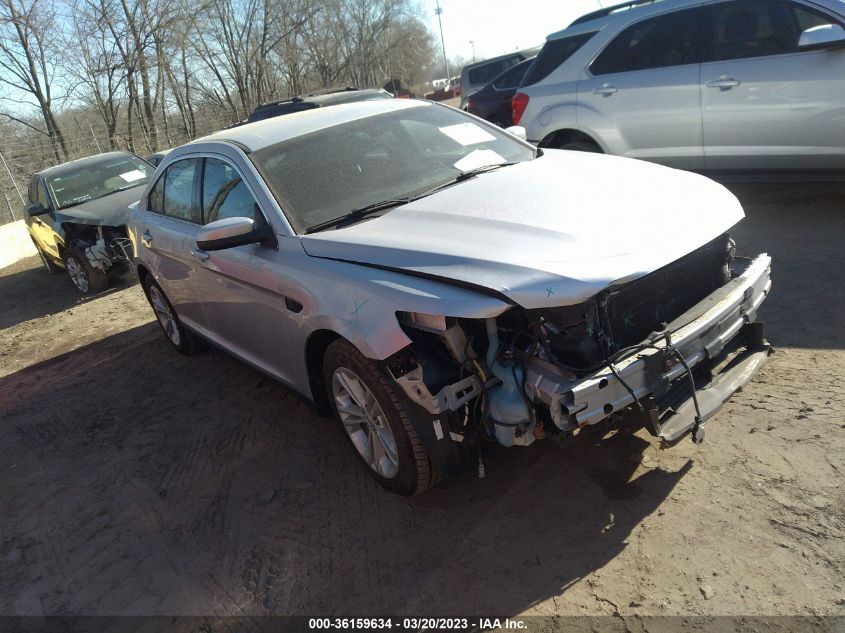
27 292
802 226
167 484
138 481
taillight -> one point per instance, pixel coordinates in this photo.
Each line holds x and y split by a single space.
518 104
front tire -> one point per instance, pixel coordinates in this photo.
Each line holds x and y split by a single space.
86 278
183 340
372 413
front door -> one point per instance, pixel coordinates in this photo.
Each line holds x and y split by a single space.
244 300
43 226
767 105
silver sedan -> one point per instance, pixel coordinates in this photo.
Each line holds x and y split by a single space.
435 282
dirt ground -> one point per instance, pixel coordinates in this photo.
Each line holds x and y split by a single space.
138 481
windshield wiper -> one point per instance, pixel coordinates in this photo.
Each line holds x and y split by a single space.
357 214
471 173
464 175
108 193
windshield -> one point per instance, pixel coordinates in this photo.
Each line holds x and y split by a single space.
98 179
320 176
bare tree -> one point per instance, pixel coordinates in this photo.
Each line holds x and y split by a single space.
28 60
367 43
240 45
99 69
139 28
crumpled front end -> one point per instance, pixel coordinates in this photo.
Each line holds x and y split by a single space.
667 349
103 246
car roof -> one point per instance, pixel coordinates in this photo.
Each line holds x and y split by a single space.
327 97
626 11
81 163
531 52
261 134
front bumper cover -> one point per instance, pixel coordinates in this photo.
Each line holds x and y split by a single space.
720 334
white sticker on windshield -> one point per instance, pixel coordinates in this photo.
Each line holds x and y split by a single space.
479 158
132 176
467 134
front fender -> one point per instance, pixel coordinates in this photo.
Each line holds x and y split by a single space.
360 303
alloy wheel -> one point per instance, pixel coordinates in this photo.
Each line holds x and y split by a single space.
365 422
77 273
165 315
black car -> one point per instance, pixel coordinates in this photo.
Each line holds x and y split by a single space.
157 157
493 101
315 100
76 215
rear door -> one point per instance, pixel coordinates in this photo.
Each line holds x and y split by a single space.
767 105
167 234
641 94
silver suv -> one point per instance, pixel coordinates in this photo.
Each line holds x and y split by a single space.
718 85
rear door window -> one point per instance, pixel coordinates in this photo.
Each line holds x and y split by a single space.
660 42
486 73
554 53
510 78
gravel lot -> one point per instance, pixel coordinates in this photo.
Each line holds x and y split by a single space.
137 481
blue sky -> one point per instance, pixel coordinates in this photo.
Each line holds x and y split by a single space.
500 26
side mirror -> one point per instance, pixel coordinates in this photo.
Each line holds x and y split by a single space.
231 232
36 208
821 37
518 131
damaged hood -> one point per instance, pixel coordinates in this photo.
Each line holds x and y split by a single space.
549 232
109 210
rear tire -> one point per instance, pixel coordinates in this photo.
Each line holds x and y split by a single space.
379 430
86 278
181 338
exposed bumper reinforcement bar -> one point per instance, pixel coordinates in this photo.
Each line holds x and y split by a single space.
703 334
711 398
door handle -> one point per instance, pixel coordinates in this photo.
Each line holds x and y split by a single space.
606 90
199 254
723 83
146 238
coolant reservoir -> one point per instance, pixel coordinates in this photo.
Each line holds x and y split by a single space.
512 421
508 410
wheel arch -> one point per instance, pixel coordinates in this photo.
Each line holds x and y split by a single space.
143 272
561 137
315 351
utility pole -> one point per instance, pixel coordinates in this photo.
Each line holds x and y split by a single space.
9 204
11 177
437 12
471 43
94 136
